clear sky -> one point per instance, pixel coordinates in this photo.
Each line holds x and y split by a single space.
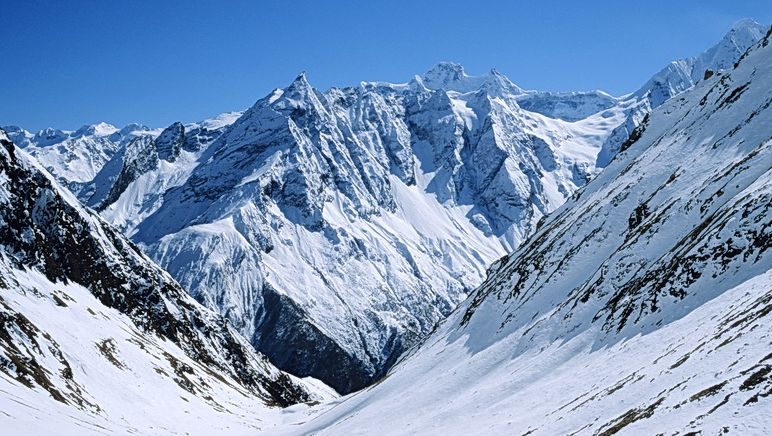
68 63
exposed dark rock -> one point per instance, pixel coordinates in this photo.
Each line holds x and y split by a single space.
170 141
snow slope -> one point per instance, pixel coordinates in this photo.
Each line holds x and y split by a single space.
95 337
642 306
679 76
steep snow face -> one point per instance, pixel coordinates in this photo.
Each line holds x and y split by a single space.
83 315
642 305
723 55
679 76
336 228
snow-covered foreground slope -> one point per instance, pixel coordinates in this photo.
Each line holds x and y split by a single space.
74 366
677 378
94 337
642 306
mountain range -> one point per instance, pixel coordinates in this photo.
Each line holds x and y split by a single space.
348 237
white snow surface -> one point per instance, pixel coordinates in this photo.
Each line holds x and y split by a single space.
126 375
71 363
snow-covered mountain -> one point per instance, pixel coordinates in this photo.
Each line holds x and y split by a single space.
95 336
336 228
679 76
75 157
641 306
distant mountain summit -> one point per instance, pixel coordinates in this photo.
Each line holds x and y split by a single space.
679 76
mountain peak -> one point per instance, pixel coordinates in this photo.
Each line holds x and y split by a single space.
301 81
445 71
450 76
299 94
98 129
132 128
744 33
747 24
682 74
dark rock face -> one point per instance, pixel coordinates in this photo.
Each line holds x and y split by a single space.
304 350
197 137
635 219
139 157
170 142
44 230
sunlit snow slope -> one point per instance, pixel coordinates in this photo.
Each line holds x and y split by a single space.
642 306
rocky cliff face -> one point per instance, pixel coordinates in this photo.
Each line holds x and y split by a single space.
170 142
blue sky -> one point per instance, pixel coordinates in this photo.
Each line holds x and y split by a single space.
68 63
